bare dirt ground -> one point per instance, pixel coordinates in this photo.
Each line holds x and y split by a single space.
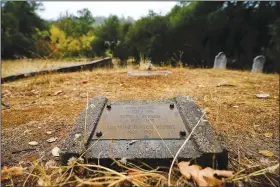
52 102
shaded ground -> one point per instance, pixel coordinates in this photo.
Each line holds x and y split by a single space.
232 108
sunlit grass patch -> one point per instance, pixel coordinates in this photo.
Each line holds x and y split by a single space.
13 67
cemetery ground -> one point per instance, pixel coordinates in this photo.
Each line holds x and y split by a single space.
46 106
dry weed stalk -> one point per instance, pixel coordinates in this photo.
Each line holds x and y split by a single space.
178 152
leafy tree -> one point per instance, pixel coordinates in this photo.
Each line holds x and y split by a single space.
58 39
192 32
18 25
107 36
123 51
273 51
149 36
85 22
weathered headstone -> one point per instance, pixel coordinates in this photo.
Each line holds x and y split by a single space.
148 73
220 61
144 130
258 63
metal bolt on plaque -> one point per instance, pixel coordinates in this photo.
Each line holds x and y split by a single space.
171 106
99 134
108 107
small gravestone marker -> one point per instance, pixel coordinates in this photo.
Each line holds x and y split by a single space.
220 61
144 130
258 64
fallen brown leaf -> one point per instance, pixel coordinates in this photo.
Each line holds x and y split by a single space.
84 81
58 92
263 95
203 177
35 92
188 170
224 83
8 172
268 134
266 153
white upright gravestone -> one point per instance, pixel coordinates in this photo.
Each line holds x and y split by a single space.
220 61
258 63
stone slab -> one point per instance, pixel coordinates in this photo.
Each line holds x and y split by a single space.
204 146
148 73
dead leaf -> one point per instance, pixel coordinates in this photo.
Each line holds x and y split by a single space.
49 132
52 139
224 83
266 153
35 92
268 134
84 81
224 173
33 143
203 177
55 151
6 93
58 92
8 172
83 95
262 96
26 131
187 170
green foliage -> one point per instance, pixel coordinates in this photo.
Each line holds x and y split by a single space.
76 26
108 36
150 37
18 25
274 47
72 35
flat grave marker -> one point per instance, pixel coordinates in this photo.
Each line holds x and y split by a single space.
157 128
148 73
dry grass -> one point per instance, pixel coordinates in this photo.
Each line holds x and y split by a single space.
234 111
78 173
12 67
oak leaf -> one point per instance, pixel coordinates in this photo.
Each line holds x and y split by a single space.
203 177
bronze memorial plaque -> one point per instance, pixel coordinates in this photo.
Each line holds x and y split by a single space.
140 122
